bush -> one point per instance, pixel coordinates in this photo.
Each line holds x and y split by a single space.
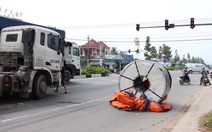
205 122
179 67
175 68
170 68
88 70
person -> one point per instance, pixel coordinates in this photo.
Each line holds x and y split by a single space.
185 74
204 74
62 80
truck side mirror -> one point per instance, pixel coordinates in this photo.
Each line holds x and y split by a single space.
28 36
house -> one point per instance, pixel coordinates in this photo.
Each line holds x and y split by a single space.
93 50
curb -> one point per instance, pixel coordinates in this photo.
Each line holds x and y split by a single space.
190 121
91 76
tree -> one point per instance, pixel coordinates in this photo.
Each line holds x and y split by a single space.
153 52
147 48
113 51
197 60
188 57
160 52
176 57
166 50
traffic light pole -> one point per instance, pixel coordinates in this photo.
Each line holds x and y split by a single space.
183 25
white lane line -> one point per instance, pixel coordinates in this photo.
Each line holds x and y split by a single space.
51 110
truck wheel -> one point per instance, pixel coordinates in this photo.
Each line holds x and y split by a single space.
67 76
39 87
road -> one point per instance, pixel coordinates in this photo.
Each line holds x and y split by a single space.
86 108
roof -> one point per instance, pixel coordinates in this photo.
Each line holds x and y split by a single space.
7 22
30 26
93 43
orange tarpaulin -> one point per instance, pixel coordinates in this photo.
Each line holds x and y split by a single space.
126 101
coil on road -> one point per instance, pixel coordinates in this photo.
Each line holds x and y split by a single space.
148 77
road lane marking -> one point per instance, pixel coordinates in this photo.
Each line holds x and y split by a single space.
52 110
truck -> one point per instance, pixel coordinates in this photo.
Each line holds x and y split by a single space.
30 60
71 60
69 51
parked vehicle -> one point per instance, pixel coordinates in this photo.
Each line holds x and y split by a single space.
30 60
70 50
196 67
71 60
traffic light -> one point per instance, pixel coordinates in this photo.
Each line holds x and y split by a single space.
129 51
137 51
137 27
166 24
192 25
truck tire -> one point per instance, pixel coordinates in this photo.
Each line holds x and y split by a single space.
39 87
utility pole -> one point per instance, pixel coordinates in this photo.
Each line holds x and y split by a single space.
88 54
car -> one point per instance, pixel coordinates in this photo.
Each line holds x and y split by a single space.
196 67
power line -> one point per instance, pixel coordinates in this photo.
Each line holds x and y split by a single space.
120 41
128 24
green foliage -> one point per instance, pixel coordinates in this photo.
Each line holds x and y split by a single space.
166 50
170 68
113 51
153 52
88 70
179 67
207 121
147 48
176 57
175 68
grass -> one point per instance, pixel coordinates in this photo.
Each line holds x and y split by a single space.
206 122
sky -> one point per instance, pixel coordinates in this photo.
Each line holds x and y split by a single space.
114 22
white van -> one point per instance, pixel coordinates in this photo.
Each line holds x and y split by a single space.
196 67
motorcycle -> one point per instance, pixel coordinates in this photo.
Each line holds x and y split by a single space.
117 71
183 80
205 80
211 74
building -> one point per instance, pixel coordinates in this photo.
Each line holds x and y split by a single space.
93 50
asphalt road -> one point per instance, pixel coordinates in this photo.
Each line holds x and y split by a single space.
86 108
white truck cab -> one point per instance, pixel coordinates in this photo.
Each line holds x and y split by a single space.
29 60
72 60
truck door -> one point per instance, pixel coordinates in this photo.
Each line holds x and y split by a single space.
53 58
76 57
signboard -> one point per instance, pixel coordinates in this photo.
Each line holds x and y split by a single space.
113 57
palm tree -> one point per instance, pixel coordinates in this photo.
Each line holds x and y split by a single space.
113 51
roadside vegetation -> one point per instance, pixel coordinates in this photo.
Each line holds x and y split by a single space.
206 122
88 70
171 68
